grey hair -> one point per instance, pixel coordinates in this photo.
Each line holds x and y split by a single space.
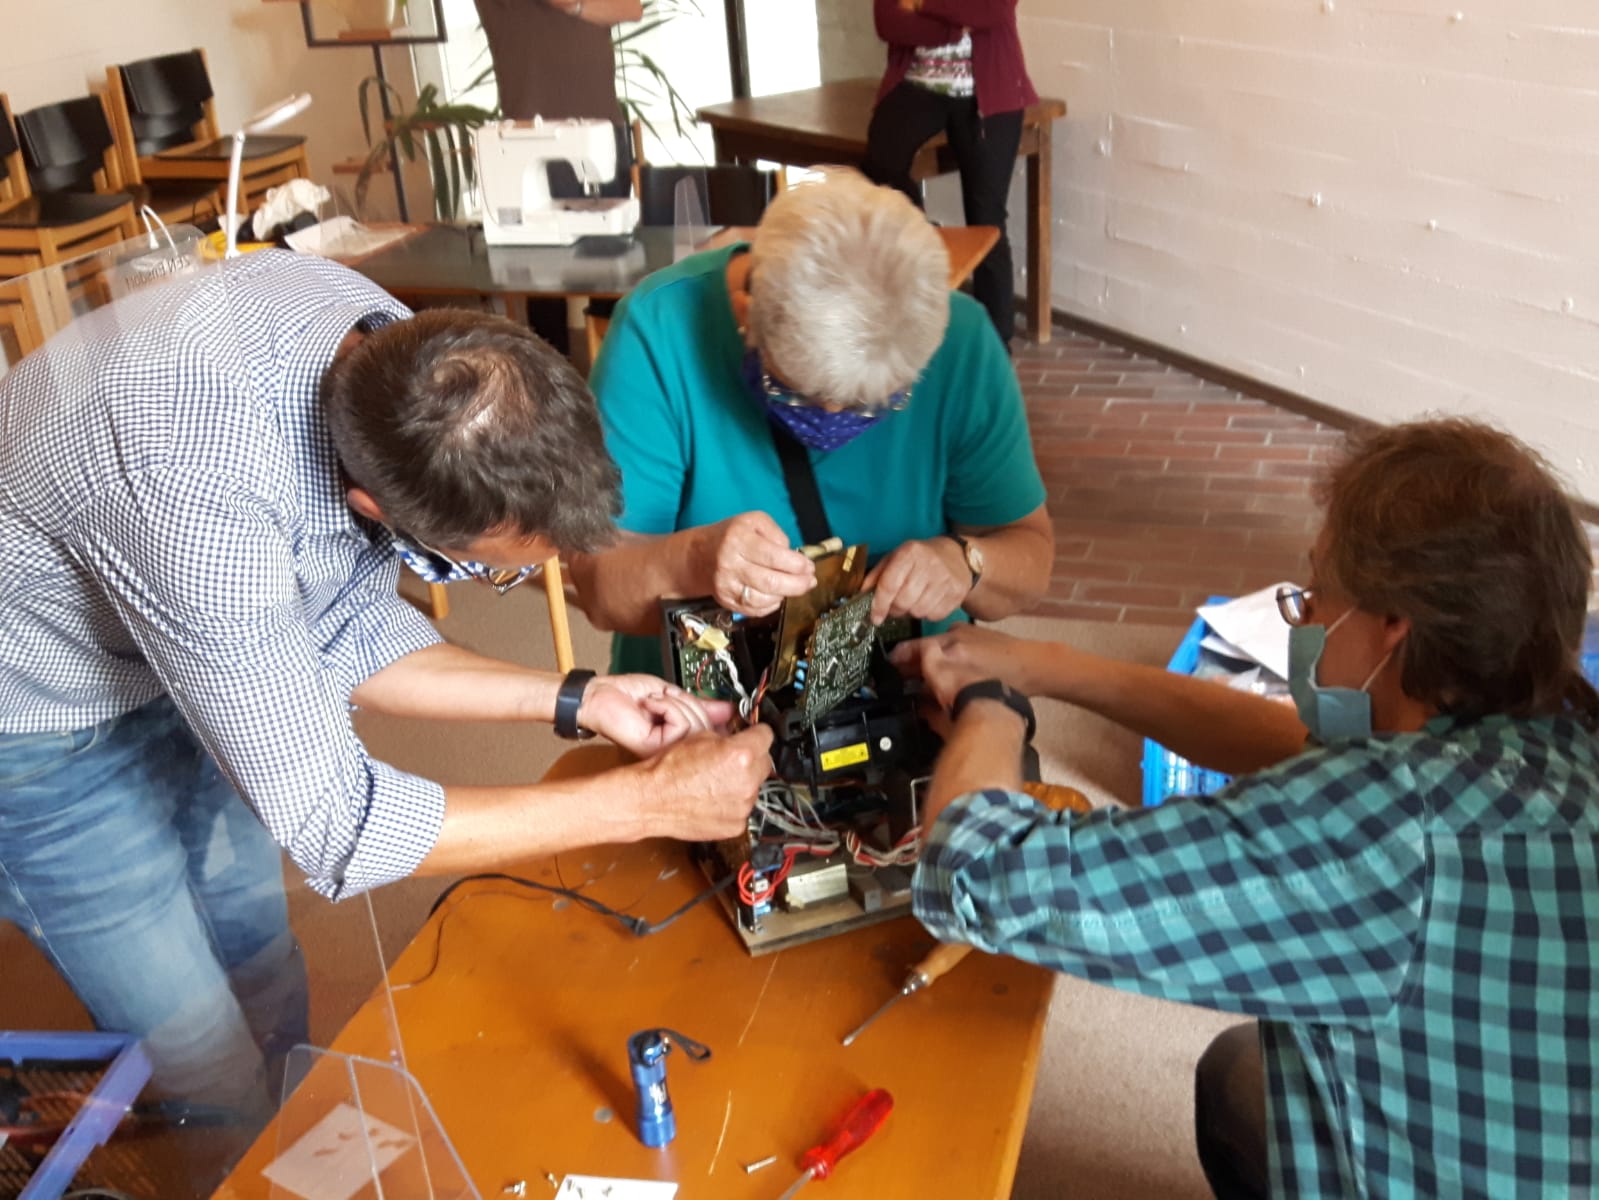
849 289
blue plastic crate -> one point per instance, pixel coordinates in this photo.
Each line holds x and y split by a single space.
127 1068
1166 774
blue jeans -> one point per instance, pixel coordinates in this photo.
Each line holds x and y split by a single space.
131 862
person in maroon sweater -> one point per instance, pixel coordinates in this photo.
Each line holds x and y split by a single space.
955 66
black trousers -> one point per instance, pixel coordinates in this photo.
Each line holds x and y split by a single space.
985 151
1230 1115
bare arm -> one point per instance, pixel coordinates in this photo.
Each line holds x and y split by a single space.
1016 563
1208 723
699 790
984 750
601 12
619 588
930 579
744 562
640 713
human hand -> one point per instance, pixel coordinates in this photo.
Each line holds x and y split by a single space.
926 579
703 788
750 565
644 714
965 654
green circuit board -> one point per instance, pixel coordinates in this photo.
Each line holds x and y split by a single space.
839 656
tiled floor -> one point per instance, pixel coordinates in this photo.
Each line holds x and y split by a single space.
1165 488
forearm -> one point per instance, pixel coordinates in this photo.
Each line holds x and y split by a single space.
445 682
1016 566
488 827
1206 722
602 12
620 589
983 751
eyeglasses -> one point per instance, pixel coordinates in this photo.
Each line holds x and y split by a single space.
437 567
1294 604
781 393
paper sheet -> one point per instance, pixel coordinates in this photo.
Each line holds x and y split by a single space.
1253 625
592 1187
331 1160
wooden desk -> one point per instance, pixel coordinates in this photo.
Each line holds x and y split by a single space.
519 1039
828 124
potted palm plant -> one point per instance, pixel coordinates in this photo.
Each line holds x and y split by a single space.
438 130
642 87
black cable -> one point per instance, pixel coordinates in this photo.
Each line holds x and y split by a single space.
637 926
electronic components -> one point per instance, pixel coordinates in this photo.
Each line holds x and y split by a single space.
836 831
838 656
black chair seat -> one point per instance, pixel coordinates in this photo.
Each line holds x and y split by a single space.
54 210
729 194
221 149
163 195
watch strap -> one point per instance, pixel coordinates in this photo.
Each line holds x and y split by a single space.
996 689
568 700
966 556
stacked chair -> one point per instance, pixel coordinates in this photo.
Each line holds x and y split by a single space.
41 228
165 114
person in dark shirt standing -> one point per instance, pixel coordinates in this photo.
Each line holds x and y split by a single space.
955 67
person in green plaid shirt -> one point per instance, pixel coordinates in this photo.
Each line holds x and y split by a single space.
1408 903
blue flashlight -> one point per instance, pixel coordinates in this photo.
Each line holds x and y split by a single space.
646 1055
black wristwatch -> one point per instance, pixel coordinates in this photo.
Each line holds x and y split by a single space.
567 702
995 689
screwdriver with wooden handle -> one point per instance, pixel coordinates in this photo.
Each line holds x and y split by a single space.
947 955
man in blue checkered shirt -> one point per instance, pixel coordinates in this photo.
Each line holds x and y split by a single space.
203 489
1409 904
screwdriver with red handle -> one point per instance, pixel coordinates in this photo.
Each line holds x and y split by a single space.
865 1117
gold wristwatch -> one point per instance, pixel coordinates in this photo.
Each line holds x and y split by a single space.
973 553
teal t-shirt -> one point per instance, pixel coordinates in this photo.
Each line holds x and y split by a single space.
695 447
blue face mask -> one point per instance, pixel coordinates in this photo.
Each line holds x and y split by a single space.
809 424
1332 714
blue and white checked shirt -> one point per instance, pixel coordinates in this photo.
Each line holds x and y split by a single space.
172 521
1414 918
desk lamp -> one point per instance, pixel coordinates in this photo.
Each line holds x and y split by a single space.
268 118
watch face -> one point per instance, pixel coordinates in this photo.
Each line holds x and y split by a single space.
974 558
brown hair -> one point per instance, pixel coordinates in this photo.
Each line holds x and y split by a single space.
1463 530
461 424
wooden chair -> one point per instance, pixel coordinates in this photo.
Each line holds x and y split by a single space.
42 230
20 334
71 146
438 607
167 108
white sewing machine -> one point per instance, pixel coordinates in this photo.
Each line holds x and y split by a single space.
517 207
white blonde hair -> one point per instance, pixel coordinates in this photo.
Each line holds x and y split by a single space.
849 290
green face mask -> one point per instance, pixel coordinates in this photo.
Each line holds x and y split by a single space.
1332 714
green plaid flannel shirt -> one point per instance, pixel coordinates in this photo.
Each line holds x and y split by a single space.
1413 917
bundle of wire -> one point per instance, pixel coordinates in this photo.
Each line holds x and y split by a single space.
800 828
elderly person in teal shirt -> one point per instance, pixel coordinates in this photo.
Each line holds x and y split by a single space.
835 328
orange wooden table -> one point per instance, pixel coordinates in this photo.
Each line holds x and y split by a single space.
518 1036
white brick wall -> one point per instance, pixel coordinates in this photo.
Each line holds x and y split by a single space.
1390 206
